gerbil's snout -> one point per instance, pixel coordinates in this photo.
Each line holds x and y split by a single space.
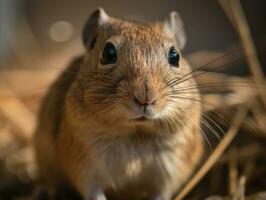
144 102
144 99
144 95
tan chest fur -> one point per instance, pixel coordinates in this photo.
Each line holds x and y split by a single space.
133 163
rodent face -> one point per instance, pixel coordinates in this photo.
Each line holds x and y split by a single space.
139 84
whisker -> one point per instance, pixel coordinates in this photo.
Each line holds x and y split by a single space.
200 101
211 86
62 69
219 127
181 80
213 61
206 139
212 130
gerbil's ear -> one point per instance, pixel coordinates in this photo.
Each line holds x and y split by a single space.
91 28
173 26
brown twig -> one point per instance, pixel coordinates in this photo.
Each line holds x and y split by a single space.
233 173
237 16
236 123
17 113
240 193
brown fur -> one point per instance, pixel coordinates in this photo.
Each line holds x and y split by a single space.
87 130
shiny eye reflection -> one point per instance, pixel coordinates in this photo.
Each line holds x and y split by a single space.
109 54
173 57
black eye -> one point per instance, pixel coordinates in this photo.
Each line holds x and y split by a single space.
109 54
173 57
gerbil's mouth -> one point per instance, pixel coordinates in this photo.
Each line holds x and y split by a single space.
141 119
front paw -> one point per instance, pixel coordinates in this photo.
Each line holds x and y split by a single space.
161 197
96 193
97 197
44 193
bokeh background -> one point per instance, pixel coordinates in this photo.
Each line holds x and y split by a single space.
40 29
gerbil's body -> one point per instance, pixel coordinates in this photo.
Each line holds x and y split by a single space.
116 123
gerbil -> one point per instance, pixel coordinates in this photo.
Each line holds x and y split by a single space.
116 124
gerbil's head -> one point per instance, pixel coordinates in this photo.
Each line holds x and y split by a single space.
134 75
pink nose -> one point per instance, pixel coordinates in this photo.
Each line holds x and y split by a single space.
144 102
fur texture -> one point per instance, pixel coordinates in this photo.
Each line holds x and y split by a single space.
93 130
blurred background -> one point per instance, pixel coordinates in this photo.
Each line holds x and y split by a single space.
39 37
38 30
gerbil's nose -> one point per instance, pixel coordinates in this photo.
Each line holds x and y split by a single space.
144 93
144 102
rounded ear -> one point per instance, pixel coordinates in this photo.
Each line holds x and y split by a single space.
173 26
91 28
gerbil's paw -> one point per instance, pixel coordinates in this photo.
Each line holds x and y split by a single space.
44 193
59 193
96 193
97 197
100 197
161 197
